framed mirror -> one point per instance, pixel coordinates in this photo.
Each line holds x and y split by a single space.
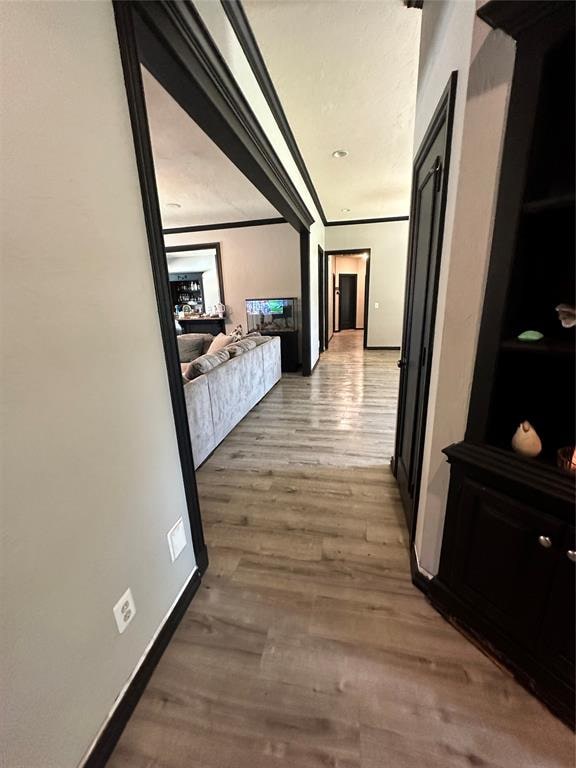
196 284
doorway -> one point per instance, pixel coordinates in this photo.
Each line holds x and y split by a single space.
348 274
348 301
429 188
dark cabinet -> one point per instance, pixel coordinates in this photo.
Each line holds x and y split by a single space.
557 639
288 349
505 559
506 570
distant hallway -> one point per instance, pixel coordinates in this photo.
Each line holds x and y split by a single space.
307 645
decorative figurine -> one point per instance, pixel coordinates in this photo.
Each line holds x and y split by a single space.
566 315
526 441
530 336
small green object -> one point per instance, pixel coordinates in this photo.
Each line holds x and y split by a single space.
530 336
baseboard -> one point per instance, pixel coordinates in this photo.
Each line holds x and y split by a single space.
104 745
418 578
314 366
371 347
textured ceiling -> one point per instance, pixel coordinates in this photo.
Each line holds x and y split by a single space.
345 72
193 172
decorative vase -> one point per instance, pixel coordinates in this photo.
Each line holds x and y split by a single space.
526 441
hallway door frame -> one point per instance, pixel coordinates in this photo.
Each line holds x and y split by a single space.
172 42
351 252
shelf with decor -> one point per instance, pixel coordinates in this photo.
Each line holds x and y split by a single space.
507 565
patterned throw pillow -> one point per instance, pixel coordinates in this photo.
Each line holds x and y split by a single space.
237 333
206 363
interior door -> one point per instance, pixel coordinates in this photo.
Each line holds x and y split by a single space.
348 292
429 186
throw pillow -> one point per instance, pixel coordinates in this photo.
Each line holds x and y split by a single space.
191 345
219 342
206 363
237 333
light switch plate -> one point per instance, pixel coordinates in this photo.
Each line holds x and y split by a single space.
176 538
376 305
124 610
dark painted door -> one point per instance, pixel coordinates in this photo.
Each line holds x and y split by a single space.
348 293
427 221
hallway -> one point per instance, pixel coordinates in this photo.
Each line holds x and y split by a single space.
307 645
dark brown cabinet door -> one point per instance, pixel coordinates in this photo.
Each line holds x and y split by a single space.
505 559
557 639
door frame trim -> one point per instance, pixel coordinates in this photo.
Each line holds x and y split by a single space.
350 252
444 113
174 33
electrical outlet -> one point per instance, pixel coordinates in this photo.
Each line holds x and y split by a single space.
176 538
124 610
376 305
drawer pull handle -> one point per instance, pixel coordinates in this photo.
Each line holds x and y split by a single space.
571 555
545 541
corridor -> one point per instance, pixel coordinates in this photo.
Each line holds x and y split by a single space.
307 645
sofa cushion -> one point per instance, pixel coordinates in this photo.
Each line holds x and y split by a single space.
259 339
235 350
246 344
192 345
206 363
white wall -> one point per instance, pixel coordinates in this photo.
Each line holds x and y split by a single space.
91 478
454 38
214 17
257 262
388 244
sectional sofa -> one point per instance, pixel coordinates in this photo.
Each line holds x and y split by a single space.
221 388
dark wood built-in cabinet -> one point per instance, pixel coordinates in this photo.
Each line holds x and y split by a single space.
507 567
187 288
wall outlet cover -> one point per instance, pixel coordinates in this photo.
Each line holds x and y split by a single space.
376 305
176 538
124 610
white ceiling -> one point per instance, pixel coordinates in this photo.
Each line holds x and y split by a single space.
345 72
193 172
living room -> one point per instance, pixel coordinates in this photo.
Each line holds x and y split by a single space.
234 274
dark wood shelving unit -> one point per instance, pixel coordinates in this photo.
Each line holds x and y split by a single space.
552 347
508 561
556 202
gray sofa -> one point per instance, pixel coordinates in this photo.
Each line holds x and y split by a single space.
219 398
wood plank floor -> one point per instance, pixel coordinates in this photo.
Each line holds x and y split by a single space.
307 645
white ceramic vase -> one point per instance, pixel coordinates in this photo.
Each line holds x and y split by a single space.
526 441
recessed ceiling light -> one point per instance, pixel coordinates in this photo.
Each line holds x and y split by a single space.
173 205
344 210
340 153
